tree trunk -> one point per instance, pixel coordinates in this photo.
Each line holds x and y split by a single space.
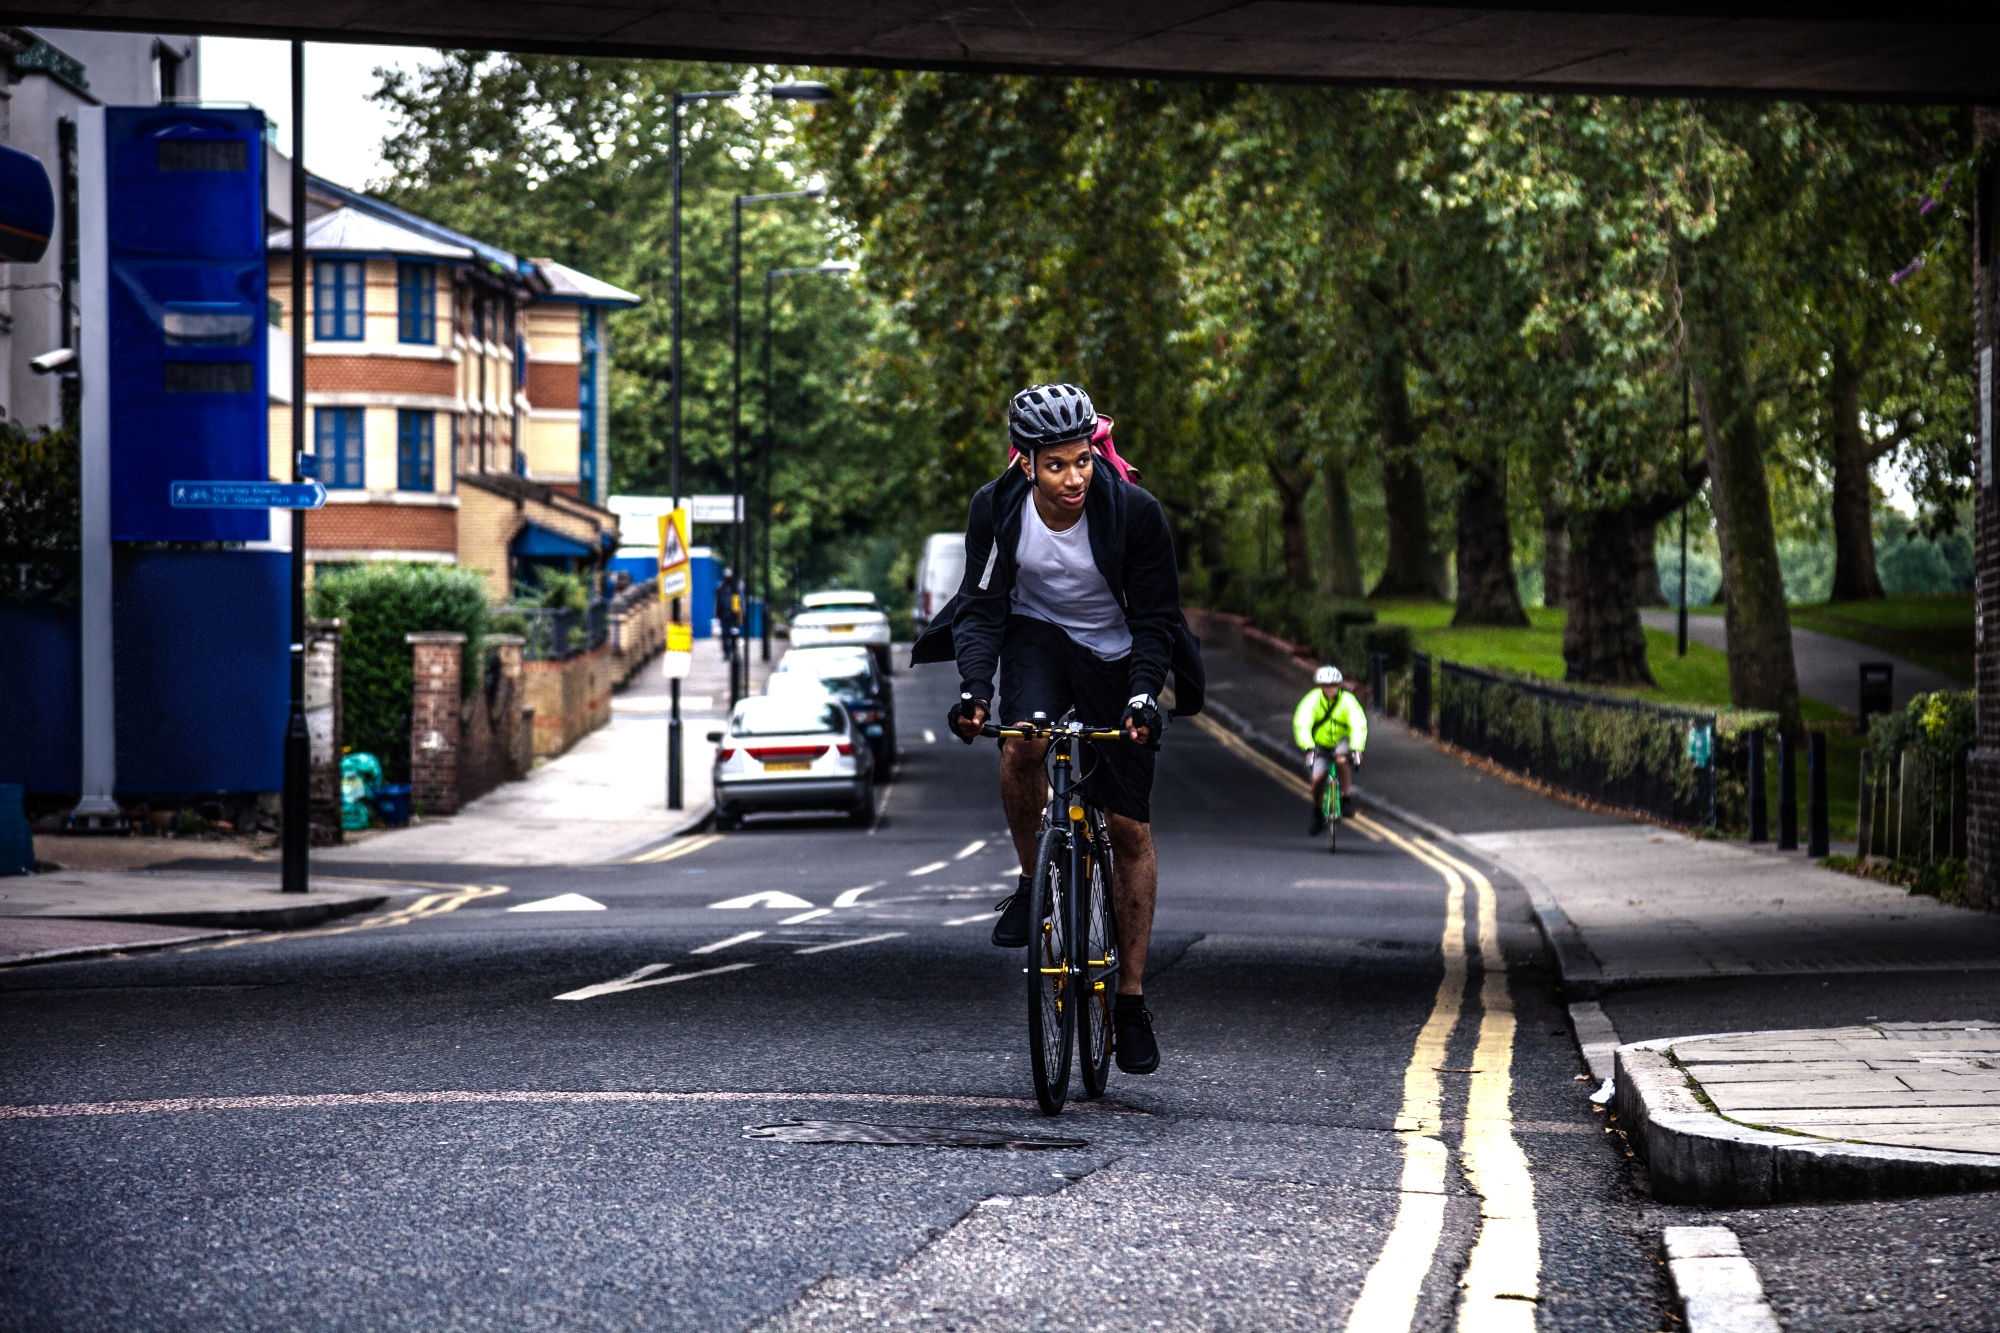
1646 580
1487 593
1415 568
1344 551
1854 576
1603 641
1555 554
1292 483
1762 674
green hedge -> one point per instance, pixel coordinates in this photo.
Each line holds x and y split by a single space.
380 604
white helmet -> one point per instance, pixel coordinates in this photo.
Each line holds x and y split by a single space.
1327 675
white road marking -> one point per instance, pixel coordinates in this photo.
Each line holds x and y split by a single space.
568 902
968 920
720 945
930 737
925 870
813 915
852 897
677 848
849 944
761 900
631 983
970 849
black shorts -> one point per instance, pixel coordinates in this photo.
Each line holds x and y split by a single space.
1043 670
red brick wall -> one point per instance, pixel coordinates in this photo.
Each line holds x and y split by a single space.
386 374
340 527
435 728
553 384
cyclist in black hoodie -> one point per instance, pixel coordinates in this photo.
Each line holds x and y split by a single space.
1071 598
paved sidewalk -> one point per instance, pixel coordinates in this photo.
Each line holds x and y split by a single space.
603 799
1828 666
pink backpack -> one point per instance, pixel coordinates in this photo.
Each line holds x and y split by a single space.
1102 446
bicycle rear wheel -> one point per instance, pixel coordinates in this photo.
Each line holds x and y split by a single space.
1052 1007
1333 815
1099 991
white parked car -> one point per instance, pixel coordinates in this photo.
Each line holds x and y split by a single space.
940 569
848 674
793 751
844 617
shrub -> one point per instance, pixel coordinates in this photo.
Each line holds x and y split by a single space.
41 513
381 603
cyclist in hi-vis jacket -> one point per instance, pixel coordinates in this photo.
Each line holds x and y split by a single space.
1329 725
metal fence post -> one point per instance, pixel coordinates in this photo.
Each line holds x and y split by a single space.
1864 810
1818 839
1760 823
1420 692
1788 794
1378 682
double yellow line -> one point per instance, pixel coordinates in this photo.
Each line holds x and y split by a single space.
1502 1282
449 898
677 848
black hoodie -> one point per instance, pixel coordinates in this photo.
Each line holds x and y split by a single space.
1135 553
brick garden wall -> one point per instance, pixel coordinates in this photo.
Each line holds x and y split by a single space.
462 748
571 699
365 527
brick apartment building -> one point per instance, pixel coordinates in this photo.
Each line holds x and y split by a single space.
456 394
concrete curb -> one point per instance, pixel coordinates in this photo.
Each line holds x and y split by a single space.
1693 1155
288 917
692 820
102 950
1717 1285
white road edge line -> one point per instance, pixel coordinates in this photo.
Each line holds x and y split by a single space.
972 848
852 897
614 987
1717 1284
849 944
925 870
733 940
813 915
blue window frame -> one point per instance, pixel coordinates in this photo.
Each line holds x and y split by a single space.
339 286
416 303
416 451
337 441
586 402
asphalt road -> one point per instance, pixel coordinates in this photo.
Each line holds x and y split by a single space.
457 1115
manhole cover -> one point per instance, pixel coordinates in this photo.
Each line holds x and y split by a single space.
901 1136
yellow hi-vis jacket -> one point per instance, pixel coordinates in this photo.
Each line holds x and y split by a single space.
1323 722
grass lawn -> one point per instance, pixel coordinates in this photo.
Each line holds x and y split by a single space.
1934 631
1701 679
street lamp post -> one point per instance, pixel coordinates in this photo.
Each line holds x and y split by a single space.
294 868
771 276
784 92
741 515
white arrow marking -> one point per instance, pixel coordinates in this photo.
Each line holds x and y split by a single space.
849 944
925 870
970 849
625 984
568 902
816 913
762 900
720 945
968 920
853 896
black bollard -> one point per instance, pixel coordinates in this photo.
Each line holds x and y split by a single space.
1818 841
1788 795
1760 827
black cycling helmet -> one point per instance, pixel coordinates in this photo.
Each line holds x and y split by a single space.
1045 414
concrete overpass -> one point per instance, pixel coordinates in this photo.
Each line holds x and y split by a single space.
1927 51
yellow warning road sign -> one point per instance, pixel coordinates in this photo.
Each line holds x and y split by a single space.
674 553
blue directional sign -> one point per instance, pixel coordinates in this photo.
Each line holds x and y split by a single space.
245 495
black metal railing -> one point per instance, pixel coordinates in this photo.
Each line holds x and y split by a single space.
1637 756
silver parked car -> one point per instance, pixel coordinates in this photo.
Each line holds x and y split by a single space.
849 616
795 751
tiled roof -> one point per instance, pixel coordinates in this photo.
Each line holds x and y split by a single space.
566 284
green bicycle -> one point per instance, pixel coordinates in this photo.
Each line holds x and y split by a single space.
1072 966
1329 807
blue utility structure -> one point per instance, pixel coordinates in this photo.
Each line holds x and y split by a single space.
184 212
27 207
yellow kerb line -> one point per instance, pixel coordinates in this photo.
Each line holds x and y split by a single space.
429 905
676 849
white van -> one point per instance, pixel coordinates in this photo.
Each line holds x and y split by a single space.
940 570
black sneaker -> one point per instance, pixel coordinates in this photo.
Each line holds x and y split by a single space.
1132 1036
1011 930
1318 827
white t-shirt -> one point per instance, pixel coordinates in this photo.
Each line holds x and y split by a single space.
1058 581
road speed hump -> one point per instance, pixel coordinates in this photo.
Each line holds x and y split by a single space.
679 658
674 553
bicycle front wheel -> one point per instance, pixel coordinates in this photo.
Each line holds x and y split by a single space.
1099 989
1052 1007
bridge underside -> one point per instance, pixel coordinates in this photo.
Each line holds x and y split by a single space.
1927 52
